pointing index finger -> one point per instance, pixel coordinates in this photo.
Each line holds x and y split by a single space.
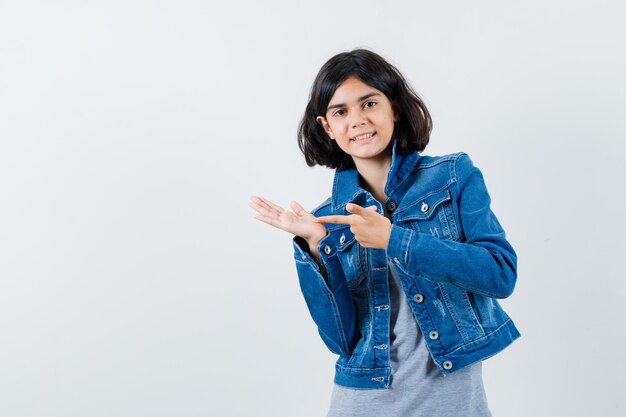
338 219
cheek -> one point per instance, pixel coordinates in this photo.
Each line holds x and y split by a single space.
388 120
340 128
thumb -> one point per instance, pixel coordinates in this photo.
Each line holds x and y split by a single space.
356 209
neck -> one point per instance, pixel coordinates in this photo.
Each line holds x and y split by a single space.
373 175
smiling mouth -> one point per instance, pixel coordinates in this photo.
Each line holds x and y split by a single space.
363 136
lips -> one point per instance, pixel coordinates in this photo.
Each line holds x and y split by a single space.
363 136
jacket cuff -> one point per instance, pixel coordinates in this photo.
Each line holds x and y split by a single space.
302 252
301 248
398 247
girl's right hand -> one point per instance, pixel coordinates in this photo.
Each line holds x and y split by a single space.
299 222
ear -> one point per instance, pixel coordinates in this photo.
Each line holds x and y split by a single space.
396 113
322 122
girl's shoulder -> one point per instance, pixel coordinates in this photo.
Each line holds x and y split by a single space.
459 164
431 160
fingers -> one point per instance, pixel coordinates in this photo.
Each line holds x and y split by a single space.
355 209
274 206
267 204
267 209
272 221
334 219
361 211
299 210
262 208
270 213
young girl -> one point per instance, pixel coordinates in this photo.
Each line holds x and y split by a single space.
402 265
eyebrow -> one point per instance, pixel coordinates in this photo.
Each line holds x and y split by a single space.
365 97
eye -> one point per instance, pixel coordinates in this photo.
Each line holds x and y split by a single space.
369 104
339 112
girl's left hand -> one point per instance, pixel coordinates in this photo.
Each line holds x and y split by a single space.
370 229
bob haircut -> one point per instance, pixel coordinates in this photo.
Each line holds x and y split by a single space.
412 131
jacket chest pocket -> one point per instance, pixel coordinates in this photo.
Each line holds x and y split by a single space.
352 256
432 214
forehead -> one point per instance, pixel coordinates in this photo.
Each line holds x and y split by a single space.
351 90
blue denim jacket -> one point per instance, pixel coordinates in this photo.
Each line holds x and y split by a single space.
450 254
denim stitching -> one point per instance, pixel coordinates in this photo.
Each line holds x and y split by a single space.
407 239
473 289
441 160
313 264
333 303
455 319
359 369
424 197
470 308
342 205
455 174
321 206
413 169
476 341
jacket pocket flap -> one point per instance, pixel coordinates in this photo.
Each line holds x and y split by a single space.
424 207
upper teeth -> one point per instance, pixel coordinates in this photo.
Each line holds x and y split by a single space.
363 136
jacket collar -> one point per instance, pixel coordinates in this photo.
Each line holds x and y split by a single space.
346 186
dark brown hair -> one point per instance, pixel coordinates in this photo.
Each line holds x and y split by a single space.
411 131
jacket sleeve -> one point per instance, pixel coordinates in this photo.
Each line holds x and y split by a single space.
484 262
330 304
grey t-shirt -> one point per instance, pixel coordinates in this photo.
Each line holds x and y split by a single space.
417 387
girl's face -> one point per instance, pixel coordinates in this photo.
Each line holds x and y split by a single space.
361 119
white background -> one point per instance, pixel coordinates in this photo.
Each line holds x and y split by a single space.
134 280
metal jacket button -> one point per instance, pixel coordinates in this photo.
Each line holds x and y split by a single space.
391 206
342 239
433 335
326 249
447 365
424 207
418 298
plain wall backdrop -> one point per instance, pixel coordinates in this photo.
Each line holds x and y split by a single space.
134 279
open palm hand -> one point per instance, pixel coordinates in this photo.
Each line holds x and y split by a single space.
298 222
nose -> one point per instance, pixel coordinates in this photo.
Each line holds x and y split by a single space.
358 118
